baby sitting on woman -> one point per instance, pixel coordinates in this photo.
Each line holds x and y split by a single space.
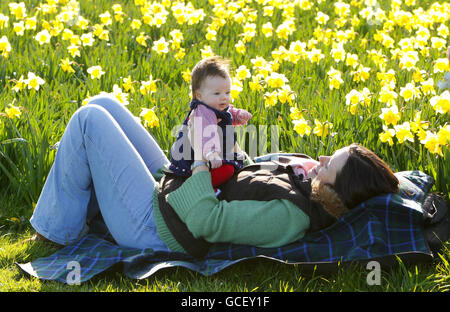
208 129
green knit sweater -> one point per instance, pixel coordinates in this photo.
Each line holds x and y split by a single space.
250 222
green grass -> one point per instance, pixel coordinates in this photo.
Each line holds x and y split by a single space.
26 157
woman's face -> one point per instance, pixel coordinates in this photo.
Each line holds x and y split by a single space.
329 166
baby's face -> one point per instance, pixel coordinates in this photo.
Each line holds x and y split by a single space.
215 92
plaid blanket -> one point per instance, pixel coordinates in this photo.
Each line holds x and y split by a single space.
383 227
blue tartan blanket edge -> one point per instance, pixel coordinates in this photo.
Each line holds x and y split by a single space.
384 227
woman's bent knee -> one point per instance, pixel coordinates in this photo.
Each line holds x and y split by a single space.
107 101
92 116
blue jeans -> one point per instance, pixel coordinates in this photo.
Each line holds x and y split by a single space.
106 149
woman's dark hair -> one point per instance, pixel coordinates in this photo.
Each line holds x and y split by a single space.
363 176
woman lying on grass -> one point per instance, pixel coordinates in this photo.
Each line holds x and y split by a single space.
143 206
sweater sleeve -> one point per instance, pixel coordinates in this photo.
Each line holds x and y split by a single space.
259 223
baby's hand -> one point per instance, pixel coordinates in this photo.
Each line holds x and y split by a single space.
244 116
215 160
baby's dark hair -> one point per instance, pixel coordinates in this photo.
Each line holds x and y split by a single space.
212 66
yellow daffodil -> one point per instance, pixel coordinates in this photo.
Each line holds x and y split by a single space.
75 40
104 35
285 94
105 18
240 47
361 74
387 96
67 34
315 55
334 78
127 84
43 37
180 53
19 84
87 39
186 74
276 80
242 72
338 53
149 117
438 43
148 86
159 19
295 113
418 125
236 88
95 71
409 92
322 129
431 143
341 8
351 60
206 52
5 47
403 133
4 19
390 115
270 98
443 31
352 99
322 18
33 81
74 50
120 95
387 135
419 75
161 46
441 65
301 126
13 111
367 96
407 62
19 28
427 87
31 23
86 100
66 65
443 135
258 61
267 29
98 30
82 23
256 83
19 10
135 24
441 103
335 82
141 39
